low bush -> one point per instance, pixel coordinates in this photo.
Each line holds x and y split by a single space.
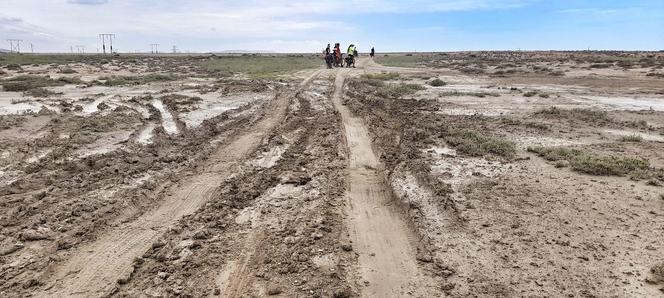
475 144
632 138
437 83
590 163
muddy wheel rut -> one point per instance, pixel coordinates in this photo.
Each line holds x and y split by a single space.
94 269
386 246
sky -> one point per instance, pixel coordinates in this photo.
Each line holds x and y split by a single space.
307 26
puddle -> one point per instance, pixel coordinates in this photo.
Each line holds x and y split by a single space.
523 142
442 151
214 104
39 156
457 170
145 135
107 143
166 117
90 108
8 108
627 103
8 177
269 159
470 112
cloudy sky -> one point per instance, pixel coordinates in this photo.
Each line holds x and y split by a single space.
306 26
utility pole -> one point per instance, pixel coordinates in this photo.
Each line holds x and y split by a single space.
14 45
32 48
154 48
80 49
175 50
104 37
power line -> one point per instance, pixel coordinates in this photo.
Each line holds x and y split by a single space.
104 37
154 47
15 45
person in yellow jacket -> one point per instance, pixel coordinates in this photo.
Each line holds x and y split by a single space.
352 51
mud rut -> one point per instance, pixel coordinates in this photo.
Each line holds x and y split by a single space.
94 269
385 243
381 237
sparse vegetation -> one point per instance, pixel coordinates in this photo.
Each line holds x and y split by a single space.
476 144
398 90
40 92
475 94
591 163
657 271
383 76
579 114
530 93
437 83
67 70
402 60
28 82
632 138
134 80
262 66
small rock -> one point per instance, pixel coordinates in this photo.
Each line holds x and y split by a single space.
342 293
7 249
32 235
103 106
347 247
39 195
273 290
446 287
290 240
158 244
200 235
446 273
317 236
426 258
302 258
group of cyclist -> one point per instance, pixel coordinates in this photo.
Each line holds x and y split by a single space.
335 58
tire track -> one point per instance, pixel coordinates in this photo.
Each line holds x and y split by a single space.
94 269
380 235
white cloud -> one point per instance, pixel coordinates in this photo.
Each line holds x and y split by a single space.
254 20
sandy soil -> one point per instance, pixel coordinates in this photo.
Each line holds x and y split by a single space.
153 177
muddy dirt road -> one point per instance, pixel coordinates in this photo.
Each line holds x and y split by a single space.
94 270
437 175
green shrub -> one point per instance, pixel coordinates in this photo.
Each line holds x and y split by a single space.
383 76
475 144
555 153
134 80
398 90
28 82
530 93
437 83
39 92
632 138
591 163
607 165
578 114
